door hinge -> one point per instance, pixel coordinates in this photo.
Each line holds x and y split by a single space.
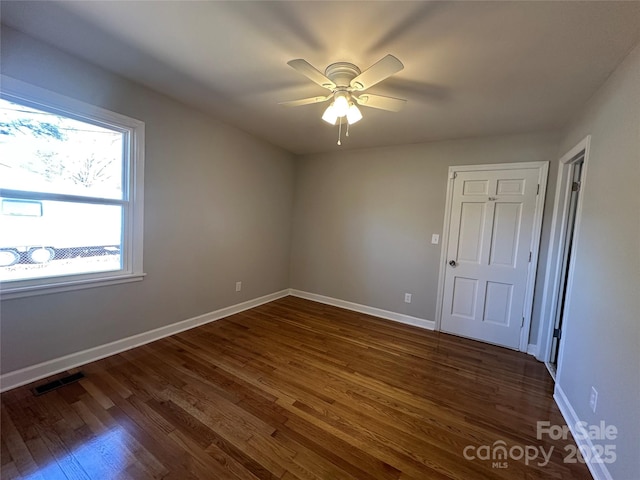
522 324
538 191
454 175
557 333
575 187
530 255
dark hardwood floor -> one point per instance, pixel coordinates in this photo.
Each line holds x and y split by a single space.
292 389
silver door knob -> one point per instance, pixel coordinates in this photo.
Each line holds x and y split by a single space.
453 263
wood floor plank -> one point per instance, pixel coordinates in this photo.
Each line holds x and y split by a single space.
20 454
67 462
289 390
5 455
204 461
336 449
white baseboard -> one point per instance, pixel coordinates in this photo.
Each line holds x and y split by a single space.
356 307
32 373
532 349
36 372
598 471
552 370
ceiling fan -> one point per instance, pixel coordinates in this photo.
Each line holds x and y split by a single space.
346 81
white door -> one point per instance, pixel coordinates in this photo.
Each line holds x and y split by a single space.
488 254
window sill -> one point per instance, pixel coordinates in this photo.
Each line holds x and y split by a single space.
8 292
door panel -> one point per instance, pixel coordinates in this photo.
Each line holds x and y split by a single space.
476 187
490 238
471 234
464 297
497 304
506 229
510 187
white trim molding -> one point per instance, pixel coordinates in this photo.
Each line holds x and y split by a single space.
356 307
131 202
42 370
598 470
33 373
553 269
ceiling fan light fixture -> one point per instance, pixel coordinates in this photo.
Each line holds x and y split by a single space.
341 104
353 114
330 115
343 78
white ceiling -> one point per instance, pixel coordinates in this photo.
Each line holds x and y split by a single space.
471 68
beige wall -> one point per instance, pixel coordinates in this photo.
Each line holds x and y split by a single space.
363 219
602 331
217 210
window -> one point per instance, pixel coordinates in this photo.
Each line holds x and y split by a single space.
71 193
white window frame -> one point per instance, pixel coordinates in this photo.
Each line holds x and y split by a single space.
133 190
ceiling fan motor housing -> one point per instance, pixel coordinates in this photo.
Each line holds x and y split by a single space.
341 73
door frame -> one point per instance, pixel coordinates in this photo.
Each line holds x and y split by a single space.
557 237
543 170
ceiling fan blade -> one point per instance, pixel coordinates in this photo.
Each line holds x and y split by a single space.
311 72
390 104
305 101
376 73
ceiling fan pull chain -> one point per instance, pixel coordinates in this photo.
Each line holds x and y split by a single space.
347 134
340 131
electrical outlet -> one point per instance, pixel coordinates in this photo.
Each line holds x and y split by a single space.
435 238
238 286
407 298
593 399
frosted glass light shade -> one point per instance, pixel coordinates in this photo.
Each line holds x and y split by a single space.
341 105
330 115
353 114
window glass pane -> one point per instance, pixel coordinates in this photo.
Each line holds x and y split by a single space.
47 238
45 152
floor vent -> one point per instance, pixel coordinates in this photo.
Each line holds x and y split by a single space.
61 382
